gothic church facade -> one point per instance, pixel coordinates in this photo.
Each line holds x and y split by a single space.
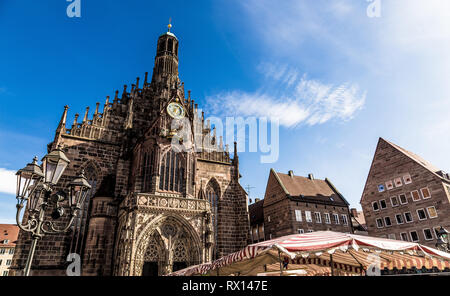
152 209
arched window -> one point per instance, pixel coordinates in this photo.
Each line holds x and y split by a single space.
172 172
147 170
212 195
170 45
162 45
79 228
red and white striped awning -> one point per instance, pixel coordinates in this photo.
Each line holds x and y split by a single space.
345 253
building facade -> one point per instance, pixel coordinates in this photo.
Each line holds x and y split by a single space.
165 190
295 204
8 239
405 197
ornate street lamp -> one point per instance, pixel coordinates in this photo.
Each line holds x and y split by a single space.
443 240
34 191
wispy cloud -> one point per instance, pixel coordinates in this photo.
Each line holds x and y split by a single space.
7 181
291 98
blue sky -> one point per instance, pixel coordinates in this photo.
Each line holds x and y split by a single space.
337 79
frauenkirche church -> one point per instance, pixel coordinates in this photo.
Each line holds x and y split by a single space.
151 209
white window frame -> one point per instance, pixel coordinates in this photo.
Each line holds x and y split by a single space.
412 196
382 222
336 218
298 215
403 219
429 192
395 183
391 185
410 234
375 202
317 215
344 219
405 177
308 217
327 218
418 216
385 204
398 202
428 212
379 189
407 237
424 235
300 231
406 220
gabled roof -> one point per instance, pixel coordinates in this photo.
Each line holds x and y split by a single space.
309 189
9 233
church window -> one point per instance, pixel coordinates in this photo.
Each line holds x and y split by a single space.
212 196
172 172
147 170
170 45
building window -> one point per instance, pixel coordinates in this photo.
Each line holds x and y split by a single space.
408 217
327 218
404 236
432 213
407 179
383 204
308 216
268 218
318 217
414 236
2 251
425 193
421 214
147 170
1 262
428 234
212 195
403 199
381 188
389 185
270 236
392 236
399 219
11 251
310 230
298 215
398 183
172 172
5 273
387 221
375 206
436 230
300 231
380 223
6 241
8 262
344 219
394 201
415 195
336 219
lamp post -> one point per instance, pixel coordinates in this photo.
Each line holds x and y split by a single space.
443 240
35 192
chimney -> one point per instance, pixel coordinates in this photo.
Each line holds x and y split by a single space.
291 174
311 176
354 212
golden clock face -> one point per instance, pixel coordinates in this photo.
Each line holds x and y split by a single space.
175 110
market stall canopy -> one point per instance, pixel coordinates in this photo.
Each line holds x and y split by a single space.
341 253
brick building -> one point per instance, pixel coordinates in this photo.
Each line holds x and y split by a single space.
8 239
405 197
152 208
295 204
256 213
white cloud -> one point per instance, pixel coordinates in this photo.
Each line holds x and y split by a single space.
300 101
7 181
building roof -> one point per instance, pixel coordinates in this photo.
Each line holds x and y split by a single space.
256 213
8 232
426 164
309 188
359 221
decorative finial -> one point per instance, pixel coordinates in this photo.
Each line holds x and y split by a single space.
169 26
35 160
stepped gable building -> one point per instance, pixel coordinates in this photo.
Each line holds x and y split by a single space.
151 209
295 204
405 197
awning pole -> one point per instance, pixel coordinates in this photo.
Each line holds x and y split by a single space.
332 264
281 266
